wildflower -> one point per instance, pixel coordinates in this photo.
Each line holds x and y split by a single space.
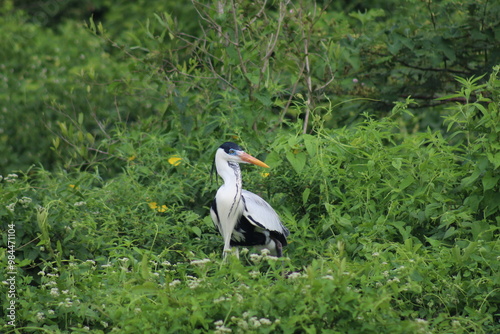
238 297
220 300
54 292
330 277
166 263
131 158
51 312
25 201
104 324
222 329
375 254
254 274
80 203
294 275
40 316
1 178
11 207
265 322
255 258
200 263
254 322
265 251
11 178
355 80
174 283
174 160
264 174
137 310
193 283
155 206
73 186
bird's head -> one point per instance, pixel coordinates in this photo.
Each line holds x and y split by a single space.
232 152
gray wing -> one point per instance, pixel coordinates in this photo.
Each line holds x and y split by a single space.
261 214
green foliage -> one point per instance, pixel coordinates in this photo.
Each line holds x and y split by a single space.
393 205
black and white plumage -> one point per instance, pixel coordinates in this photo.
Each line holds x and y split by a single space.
242 217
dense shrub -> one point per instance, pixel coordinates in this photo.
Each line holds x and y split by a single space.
393 204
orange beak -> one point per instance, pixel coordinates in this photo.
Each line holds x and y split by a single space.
248 158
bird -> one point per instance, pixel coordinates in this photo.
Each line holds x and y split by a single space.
242 217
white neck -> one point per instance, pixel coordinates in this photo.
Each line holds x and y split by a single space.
228 196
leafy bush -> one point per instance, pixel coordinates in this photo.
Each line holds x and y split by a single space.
393 211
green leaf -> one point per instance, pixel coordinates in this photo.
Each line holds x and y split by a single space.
490 181
396 163
297 160
196 230
494 159
311 144
406 182
305 195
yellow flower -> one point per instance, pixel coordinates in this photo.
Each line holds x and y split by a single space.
175 160
264 174
131 158
73 186
154 206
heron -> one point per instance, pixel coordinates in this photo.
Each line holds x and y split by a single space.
242 217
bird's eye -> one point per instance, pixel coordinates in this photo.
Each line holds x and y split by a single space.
232 151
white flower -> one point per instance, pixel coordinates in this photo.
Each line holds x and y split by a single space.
254 274
11 178
200 263
254 322
255 258
80 203
265 322
54 292
330 277
25 201
220 300
174 283
40 316
294 275
11 207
